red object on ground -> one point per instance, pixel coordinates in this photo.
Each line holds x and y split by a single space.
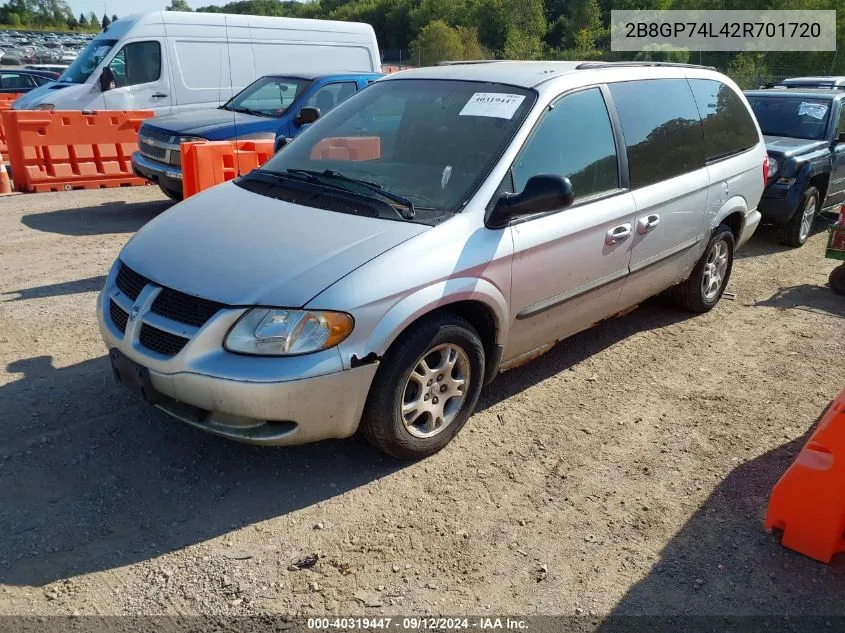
63 150
209 163
808 503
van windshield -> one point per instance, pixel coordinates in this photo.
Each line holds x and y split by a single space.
794 117
87 61
269 96
430 142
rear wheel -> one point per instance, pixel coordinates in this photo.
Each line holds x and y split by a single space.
795 232
425 389
704 287
173 194
837 279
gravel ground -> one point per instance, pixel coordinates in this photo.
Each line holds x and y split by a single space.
625 472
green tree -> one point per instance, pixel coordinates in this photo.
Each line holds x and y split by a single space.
72 22
114 17
14 20
437 42
83 21
93 20
179 5
106 21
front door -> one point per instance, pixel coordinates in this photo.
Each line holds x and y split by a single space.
569 265
141 82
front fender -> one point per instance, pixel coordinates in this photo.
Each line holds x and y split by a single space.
424 301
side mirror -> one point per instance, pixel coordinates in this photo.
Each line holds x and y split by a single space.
542 193
107 79
307 115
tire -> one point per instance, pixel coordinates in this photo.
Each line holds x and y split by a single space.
384 424
691 294
174 195
795 232
837 279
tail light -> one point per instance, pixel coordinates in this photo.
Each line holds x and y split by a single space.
842 216
766 170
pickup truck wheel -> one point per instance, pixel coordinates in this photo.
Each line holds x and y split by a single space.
704 287
837 279
425 389
171 193
795 232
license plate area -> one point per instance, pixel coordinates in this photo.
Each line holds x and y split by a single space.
134 377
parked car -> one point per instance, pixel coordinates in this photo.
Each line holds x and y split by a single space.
170 61
24 80
269 106
440 226
811 82
804 130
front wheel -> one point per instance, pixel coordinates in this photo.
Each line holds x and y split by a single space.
701 291
837 279
425 389
795 232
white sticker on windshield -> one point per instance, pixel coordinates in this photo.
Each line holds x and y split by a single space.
815 110
492 104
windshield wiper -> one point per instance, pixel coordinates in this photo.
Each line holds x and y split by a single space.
408 212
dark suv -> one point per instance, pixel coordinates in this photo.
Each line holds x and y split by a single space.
804 130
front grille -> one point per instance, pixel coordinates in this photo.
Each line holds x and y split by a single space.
129 282
160 341
118 316
184 308
156 153
161 137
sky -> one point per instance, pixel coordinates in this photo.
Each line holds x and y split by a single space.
128 7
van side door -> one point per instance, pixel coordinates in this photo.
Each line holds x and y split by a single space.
141 80
669 181
570 265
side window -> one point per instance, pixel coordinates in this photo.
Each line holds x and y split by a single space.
841 128
574 139
137 63
728 128
330 95
16 81
661 127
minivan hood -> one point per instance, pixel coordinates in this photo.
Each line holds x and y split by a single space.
788 146
215 124
51 93
241 248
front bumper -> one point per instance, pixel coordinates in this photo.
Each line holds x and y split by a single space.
163 174
258 400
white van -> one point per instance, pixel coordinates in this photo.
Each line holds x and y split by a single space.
169 61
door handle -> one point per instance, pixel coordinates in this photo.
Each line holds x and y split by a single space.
618 234
158 95
647 224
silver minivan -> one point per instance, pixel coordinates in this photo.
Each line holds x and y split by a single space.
441 226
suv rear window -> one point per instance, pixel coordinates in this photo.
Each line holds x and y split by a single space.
728 127
791 116
662 129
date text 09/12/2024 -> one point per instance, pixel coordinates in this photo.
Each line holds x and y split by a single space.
417 624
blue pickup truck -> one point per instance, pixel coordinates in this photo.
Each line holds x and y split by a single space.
268 108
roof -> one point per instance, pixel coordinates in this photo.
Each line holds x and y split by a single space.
810 93
829 80
525 74
315 75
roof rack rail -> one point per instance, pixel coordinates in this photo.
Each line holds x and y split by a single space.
590 65
468 61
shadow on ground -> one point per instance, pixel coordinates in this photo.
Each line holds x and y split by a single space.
807 297
765 240
91 284
722 571
110 217
92 480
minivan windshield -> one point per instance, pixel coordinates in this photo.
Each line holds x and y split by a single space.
430 142
269 96
87 61
794 117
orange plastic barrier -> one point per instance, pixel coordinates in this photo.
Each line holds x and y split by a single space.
64 150
209 163
808 503
6 101
356 148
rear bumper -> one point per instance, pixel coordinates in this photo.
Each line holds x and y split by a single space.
752 221
162 174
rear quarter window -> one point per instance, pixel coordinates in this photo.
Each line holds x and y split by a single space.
727 124
662 129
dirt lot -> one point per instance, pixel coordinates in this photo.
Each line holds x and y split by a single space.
633 462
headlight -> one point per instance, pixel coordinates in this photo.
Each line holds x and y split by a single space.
773 166
274 332
49 107
187 139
